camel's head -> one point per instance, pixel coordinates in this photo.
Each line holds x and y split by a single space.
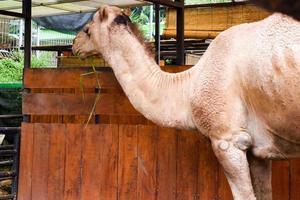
95 37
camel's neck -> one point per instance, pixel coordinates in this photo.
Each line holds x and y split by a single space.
161 97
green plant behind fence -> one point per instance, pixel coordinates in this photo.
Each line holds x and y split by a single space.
11 69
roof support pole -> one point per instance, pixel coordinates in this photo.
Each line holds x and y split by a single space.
179 6
27 39
157 32
180 34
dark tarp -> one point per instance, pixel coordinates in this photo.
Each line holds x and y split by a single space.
65 23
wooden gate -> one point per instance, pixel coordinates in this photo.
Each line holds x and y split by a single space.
124 156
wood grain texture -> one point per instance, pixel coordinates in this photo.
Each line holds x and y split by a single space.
147 162
128 162
73 165
108 161
70 104
187 165
281 180
127 119
208 171
56 168
295 179
127 165
166 163
26 156
40 164
90 163
67 78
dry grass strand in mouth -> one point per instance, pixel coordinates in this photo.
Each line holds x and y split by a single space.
97 98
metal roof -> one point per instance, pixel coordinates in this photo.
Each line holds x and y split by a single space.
60 7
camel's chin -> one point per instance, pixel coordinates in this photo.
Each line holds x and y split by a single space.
82 57
85 55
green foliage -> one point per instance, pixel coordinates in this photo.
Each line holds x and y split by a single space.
40 62
11 69
141 16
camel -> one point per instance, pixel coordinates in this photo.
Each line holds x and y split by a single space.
289 7
243 94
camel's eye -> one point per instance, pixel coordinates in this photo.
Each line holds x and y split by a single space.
122 19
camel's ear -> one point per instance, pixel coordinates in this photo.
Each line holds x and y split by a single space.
103 14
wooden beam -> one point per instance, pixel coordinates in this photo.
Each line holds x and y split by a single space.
34 4
168 3
52 48
12 14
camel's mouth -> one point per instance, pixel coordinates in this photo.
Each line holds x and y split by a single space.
83 56
75 51
82 47
78 53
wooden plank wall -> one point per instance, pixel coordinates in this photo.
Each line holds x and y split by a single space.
123 157
116 162
70 162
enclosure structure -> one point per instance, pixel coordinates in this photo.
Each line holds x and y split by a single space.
119 154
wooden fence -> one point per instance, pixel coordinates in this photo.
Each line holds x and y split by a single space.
66 161
124 156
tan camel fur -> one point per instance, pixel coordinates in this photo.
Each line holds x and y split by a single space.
243 94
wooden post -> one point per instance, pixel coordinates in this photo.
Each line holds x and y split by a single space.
157 32
179 5
180 34
27 44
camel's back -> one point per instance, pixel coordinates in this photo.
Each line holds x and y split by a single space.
270 76
250 77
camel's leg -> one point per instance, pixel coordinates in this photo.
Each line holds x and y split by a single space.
261 172
232 156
